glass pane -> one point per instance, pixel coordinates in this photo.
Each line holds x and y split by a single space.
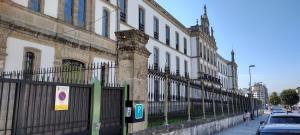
35 5
68 11
105 23
81 13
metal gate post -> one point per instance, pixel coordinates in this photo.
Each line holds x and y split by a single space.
95 107
125 98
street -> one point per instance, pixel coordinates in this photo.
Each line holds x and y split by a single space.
243 129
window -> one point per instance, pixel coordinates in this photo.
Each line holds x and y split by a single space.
185 68
177 65
123 10
185 46
167 35
81 13
200 49
68 11
105 23
35 5
156 28
177 40
168 61
156 58
28 62
141 19
156 90
207 52
204 49
72 63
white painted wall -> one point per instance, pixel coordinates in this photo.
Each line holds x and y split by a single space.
15 54
21 2
99 6
51 8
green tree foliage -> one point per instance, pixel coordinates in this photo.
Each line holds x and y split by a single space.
274 99
289 97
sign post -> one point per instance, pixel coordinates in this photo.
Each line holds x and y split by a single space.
62 98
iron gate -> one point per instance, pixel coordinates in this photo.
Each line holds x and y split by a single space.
27 107
111 110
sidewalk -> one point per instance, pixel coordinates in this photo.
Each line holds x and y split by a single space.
243 129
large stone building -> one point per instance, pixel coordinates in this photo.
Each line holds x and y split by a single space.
260 91
46 33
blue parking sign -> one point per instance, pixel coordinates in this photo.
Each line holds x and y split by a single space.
139 111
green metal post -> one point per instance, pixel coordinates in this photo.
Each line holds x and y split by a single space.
96 107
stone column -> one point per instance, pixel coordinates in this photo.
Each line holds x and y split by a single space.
3 38
133 69
60 12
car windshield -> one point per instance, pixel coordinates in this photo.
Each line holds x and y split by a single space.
285 120
270 133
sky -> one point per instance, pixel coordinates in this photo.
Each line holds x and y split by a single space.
265 33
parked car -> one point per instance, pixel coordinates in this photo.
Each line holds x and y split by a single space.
280 123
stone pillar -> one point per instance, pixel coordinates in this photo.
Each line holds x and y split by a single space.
3 38
90 15
60 12
133 70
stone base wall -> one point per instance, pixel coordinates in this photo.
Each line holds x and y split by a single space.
209 128
196 127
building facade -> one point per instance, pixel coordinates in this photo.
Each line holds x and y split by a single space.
260 91
47 33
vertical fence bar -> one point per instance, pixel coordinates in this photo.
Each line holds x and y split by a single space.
166 101
203 97
95 107
188 99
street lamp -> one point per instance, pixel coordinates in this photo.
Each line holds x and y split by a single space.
250 93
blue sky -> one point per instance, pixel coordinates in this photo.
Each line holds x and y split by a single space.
262 32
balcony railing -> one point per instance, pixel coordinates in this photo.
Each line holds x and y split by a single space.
156 34
141 27
123 16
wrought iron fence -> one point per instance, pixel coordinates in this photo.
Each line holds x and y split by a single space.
105 72
173 98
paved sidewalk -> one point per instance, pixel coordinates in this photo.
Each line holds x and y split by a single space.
243 129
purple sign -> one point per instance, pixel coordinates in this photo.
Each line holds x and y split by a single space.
62 96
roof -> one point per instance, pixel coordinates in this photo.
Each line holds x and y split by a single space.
285 114
281 128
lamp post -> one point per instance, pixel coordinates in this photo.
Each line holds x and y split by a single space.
250 93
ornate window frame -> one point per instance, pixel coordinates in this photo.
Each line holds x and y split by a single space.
37 57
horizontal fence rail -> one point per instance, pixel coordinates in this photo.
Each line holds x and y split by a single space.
173 98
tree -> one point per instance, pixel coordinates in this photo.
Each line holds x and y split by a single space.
289 97
274 99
